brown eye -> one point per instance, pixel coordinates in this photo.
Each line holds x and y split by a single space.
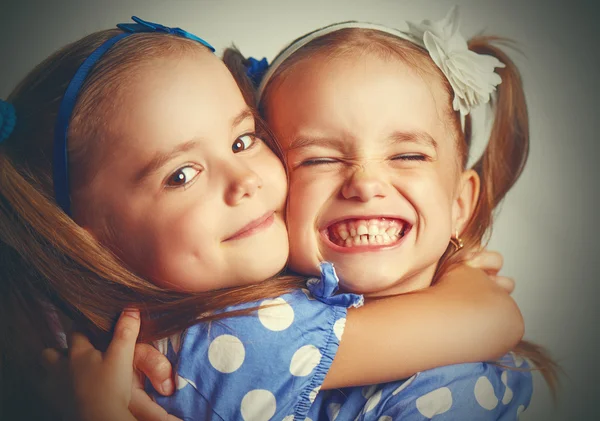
242 143
182 176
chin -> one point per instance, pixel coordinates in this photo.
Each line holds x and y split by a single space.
263 268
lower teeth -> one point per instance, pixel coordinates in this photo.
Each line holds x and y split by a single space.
365 240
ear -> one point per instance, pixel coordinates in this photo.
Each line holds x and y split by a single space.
465 201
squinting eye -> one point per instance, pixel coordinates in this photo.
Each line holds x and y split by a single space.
409 157
317 161
182 176
243 142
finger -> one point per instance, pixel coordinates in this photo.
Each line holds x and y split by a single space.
506 283
143 408
50 358
489 261
79 344
154 365
120 350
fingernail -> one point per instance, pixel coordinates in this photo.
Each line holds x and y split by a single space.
132 312
167 387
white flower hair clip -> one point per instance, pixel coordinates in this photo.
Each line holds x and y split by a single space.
470 74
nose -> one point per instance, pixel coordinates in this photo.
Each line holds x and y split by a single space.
243 183
364 184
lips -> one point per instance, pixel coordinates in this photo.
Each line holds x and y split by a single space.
367 232
254 227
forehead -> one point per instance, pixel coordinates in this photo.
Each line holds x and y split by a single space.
182 96
363 94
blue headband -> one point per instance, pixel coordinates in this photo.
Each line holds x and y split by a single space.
8 119
256 69
60 158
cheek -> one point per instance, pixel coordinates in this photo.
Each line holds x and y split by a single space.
272 172
305 202
431 196
306 198
168 243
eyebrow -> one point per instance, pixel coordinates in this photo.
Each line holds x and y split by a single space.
161 158
421 137
323 142
245 114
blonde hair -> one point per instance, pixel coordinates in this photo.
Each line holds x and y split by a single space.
46 259
501 163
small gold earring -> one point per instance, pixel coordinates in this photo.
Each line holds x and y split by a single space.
456 241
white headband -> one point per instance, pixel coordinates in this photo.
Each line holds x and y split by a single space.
471 75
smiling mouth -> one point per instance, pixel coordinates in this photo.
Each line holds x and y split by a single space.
367 232
254 227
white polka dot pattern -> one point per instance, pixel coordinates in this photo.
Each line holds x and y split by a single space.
226 353
338 328
373 401
268 365
435 402
175 342
404 385
276 314
181 383
313 394
305 360
508 393
258 405
367 391
518 360
484 393
333 410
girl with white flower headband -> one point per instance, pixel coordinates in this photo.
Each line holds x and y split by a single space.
370 119
94 217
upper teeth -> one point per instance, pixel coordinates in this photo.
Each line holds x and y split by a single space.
365 232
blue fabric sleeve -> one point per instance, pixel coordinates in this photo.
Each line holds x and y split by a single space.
268 365
477 391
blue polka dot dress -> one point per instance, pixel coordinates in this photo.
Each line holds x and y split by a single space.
477 391
269 366
265 366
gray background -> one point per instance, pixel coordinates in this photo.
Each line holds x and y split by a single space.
545 229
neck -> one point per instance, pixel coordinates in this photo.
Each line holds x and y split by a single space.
409 283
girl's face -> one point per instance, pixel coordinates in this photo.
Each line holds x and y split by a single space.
189 197
375 185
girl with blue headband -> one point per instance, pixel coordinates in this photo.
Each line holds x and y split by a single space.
135 174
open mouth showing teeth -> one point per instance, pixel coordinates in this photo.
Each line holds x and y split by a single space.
367 232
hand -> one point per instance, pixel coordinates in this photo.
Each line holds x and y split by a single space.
90 386
491 262
153 364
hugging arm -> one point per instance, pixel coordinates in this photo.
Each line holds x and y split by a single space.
463 318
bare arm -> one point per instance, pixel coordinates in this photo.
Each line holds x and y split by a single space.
463 318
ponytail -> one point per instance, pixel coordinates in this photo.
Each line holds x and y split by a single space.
499 168
507 150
